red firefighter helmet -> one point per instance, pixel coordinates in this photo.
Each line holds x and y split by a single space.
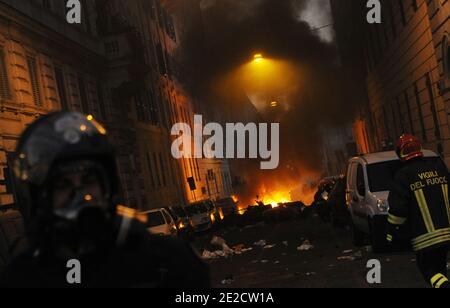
408 147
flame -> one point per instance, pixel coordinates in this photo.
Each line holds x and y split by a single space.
276 198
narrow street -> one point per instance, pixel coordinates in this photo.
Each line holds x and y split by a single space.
283 266
130 130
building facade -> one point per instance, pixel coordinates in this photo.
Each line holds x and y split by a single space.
119 65
405 71
45 65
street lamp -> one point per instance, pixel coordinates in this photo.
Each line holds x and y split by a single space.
258 57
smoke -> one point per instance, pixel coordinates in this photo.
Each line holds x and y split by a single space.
230 34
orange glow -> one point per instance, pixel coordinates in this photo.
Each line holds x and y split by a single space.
282 187
274 104
213 218
90 117
88 198
83 128
235 198
131 213
260 80
241 209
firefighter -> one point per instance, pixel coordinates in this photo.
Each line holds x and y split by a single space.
419 203
67 188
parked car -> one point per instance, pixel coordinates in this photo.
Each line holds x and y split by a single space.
214 212
160 222
226 207
181 218
369 178
200 216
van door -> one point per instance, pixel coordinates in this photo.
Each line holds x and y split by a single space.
170 224
359 197
353 195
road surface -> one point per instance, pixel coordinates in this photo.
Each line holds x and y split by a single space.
283 266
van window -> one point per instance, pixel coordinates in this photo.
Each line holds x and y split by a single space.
155 219
381 175
167 217
360 182
350 172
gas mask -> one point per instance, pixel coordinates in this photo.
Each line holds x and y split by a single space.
79 194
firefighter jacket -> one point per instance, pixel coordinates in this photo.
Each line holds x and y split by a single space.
419 199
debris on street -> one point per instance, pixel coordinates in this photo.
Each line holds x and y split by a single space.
261 243
305 246
269 246
225 251
346 258
227 281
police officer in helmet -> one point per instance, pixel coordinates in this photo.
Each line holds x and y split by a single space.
67 189
419 204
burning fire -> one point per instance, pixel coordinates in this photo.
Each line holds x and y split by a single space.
276 198
277 189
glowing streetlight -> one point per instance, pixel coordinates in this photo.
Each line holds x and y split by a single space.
258 57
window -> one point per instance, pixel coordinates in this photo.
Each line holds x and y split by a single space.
437 130
4 84
161 62
112 48
446 56
163 169
360 182
83 95
414 5
408 107
140 107
380 175
419 108
402 11
61 88
153 108
101 101
34 79
158 172
155 219
150 170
